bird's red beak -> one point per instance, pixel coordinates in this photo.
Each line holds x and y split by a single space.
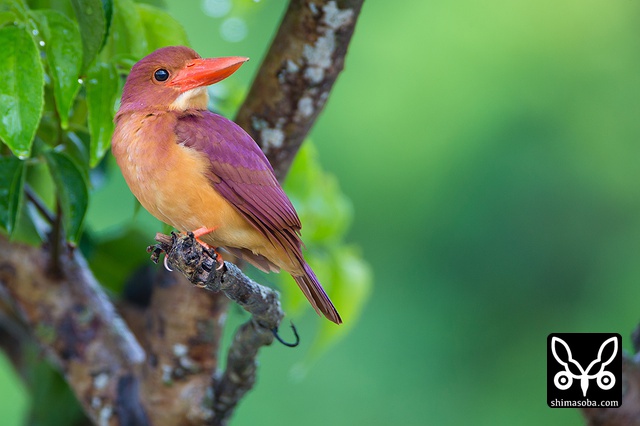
203 72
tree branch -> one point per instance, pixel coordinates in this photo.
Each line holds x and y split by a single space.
199 265
115 380
77 326
180 328
295 78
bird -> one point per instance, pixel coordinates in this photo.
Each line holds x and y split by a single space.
200 172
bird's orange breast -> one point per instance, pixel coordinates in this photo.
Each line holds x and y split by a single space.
170 181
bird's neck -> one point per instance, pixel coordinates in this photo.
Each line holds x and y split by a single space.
197 98
191 100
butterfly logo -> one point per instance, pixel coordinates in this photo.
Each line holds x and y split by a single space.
564 379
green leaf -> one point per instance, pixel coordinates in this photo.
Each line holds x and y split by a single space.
63 47
107 6
73 193
7 17
161 29
102 91
324 210
11 183
326 214
127 33
17 6
30 228
76 146
351 285
21 89
92 19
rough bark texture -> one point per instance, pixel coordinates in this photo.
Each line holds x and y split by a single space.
295 78
155 363
180 331
77 326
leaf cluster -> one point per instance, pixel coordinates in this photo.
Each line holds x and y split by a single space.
63 67
326 214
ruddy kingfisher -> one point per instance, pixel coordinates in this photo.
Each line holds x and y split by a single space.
198 171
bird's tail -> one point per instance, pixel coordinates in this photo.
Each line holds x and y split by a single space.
316 295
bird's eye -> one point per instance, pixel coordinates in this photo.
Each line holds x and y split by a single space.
161 74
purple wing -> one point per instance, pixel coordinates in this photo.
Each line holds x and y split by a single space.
241 173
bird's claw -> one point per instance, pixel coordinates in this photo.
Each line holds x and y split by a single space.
219 260
166 264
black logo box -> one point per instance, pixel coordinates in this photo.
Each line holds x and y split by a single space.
583 363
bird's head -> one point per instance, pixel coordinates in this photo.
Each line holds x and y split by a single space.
174 78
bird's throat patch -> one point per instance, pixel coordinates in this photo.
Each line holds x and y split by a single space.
197 98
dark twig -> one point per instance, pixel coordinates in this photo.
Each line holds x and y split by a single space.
290 345
198 264
56 241
39 204
55 234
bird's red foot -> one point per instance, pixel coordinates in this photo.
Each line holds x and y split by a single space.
204 231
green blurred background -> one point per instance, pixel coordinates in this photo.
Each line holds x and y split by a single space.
491 152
